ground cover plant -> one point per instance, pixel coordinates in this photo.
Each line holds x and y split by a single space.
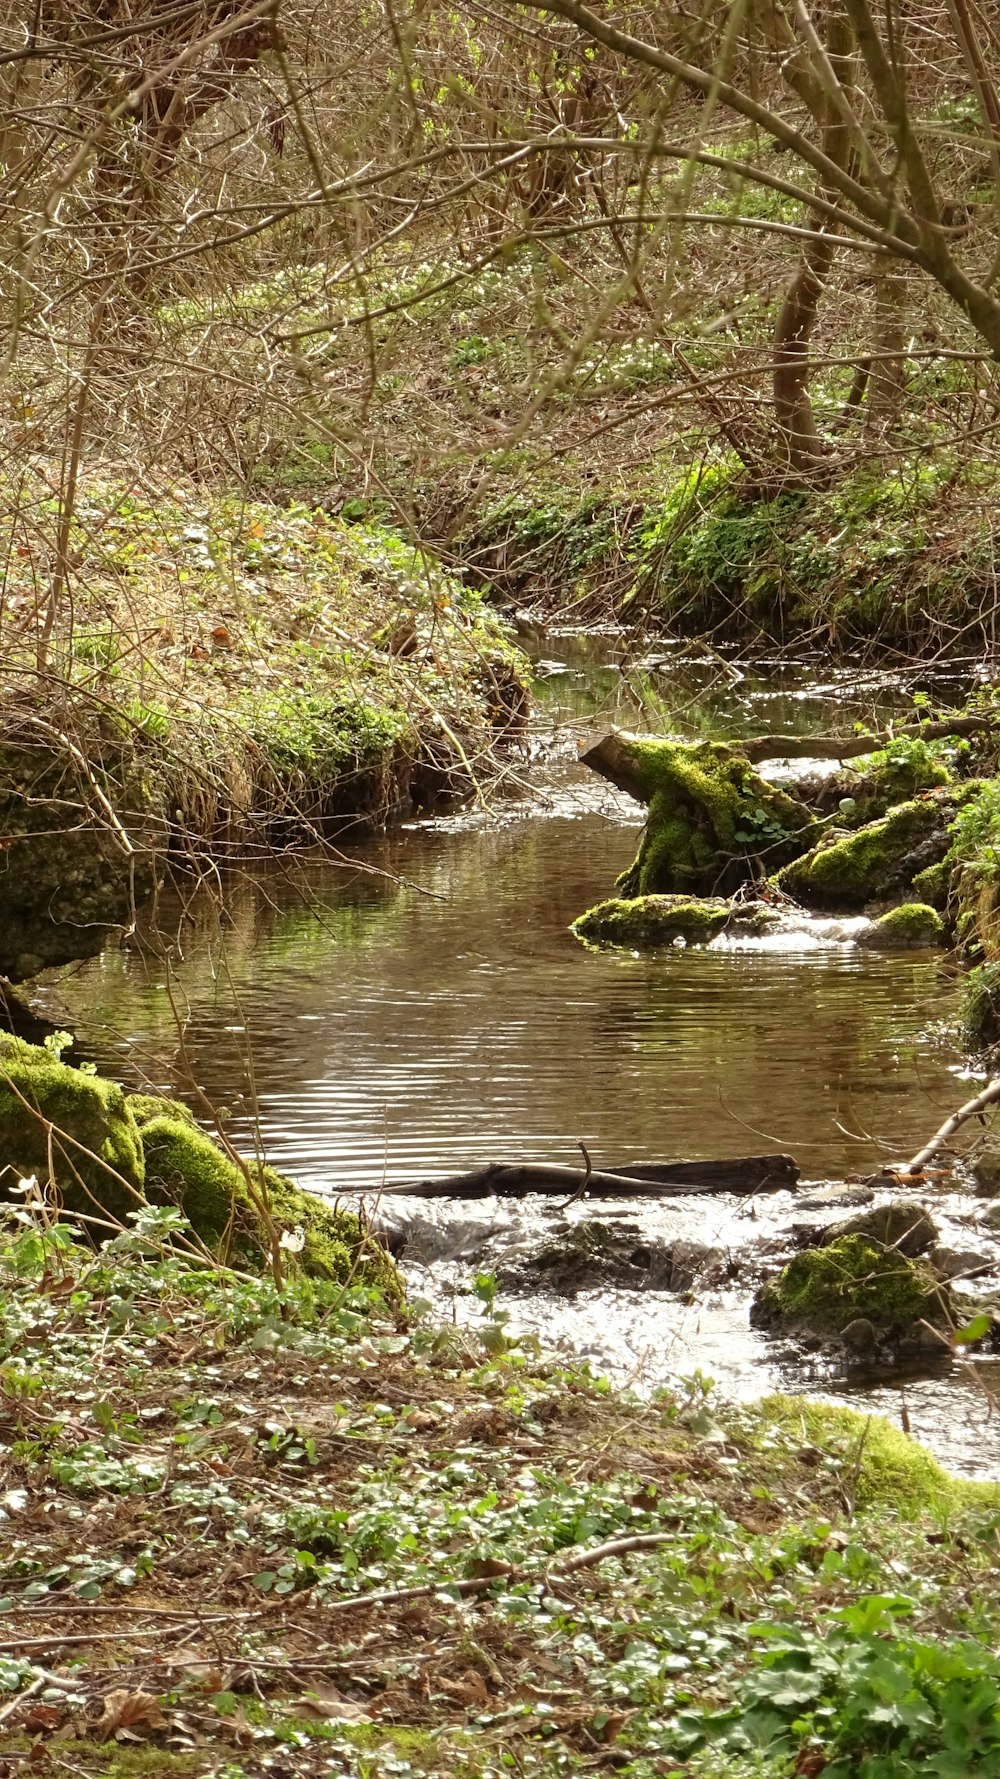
248 1531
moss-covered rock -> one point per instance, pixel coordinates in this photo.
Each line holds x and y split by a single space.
822 1290
889 1469
82 1121
932 885
911 927
845 871
228 1207
640 923
710 814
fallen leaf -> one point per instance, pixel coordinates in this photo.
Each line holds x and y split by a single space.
327 1704
124 1711
43 1717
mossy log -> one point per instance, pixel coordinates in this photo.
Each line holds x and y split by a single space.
714 823
101 1155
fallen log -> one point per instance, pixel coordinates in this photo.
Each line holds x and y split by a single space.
743 1176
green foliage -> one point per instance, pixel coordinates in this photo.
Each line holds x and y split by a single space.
876 1703
979 1016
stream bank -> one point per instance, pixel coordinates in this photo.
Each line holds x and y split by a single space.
420 1006
230 678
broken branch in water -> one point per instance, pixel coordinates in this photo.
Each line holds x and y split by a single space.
989 1097
851 747
613 758
640 1179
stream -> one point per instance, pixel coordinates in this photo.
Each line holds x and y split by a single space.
419 1007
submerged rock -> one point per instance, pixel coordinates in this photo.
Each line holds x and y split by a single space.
593 1254
913 926
640 923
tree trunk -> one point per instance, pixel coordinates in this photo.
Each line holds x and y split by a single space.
887 378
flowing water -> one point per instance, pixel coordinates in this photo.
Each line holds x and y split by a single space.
420 1007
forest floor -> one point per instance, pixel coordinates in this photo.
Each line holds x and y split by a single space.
248 1535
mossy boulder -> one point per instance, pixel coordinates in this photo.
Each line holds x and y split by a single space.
640 923
225 1205
852 870
711 815
911 927
96 1150
823 1290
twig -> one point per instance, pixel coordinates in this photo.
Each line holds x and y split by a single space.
581 1189
988 1097
29 1692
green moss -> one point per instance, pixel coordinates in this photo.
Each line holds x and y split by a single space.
912 925
887 1468
641 923
184 1167
144 1106
710 813
931 886
848 871
979 1016
94 1132
823 1289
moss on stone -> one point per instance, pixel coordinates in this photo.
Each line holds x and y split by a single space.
185 1168
144 1106
823 1289
886 1467
97 1152
932 885
640 923
710 812
850 870
910 926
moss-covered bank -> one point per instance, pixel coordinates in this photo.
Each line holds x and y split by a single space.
230 674
99 1156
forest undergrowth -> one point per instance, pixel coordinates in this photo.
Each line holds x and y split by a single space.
252 1532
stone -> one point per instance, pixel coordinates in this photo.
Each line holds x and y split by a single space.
902 1225
641 923
861 1337
986 1174
958 1263
850 871
823 1290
